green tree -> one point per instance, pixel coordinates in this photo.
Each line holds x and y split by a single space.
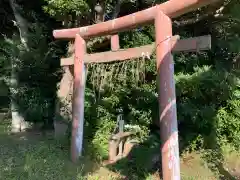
28 64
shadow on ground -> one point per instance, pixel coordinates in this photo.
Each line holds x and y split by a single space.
142 161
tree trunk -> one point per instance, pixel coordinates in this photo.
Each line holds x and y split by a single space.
18 122
63 112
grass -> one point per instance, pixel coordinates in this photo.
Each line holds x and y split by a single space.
33 156
37 157
23 158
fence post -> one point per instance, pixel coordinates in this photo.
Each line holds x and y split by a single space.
167 98
78 98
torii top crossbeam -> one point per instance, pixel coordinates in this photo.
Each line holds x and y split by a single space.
172 9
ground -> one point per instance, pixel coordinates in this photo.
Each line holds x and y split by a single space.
36 156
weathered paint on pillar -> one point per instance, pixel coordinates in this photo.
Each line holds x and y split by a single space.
115 42
78 98
167 99
79 136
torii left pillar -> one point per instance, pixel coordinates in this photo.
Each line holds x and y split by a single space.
78 94
78 98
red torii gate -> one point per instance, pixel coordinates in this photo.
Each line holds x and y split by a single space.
165 43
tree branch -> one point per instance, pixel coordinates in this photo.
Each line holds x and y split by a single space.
99 11
20 23
190 21
116 9
211 11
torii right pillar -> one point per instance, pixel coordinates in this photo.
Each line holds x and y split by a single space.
167 98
